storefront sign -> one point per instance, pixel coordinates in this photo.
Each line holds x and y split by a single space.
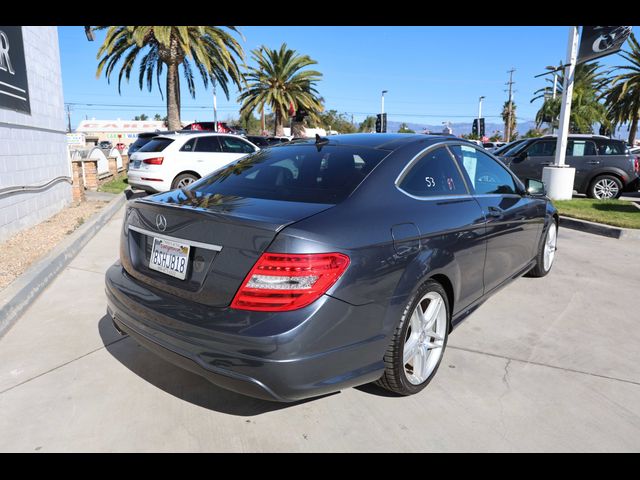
14 90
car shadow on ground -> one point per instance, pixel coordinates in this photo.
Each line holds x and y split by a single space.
181 383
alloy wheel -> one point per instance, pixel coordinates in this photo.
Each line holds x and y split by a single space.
425 338
550 246
605 188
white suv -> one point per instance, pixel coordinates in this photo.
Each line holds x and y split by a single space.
177 160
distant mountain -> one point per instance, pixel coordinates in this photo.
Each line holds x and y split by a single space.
459 128
621 133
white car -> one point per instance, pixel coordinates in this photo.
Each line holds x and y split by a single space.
177 160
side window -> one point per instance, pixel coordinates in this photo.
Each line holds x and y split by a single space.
208 144
189 146
487 176
580 148
434 174
234 145
610 147
542 149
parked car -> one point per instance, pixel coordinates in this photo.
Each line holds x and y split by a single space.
308 268
259 140
635 150
209 127
177 160
604 169
278 140
105 144
491 146
507 146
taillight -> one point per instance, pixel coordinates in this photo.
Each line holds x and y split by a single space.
280 282
153 161
636 165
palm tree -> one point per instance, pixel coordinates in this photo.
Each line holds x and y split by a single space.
589 82
279 82
622 98
509 124
213 51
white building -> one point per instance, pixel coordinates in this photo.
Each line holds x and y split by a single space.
34 168
117 131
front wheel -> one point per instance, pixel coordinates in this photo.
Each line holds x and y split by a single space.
418 343
605 187
546 252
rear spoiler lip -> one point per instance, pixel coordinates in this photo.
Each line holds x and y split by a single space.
230 217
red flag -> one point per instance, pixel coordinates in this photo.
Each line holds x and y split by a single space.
292 110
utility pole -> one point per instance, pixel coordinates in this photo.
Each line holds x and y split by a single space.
68 118
507 129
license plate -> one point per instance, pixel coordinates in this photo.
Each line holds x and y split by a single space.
136 163
169 257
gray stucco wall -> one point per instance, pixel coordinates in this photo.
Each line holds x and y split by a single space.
33 147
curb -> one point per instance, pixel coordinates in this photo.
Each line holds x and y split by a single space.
600 229
21 293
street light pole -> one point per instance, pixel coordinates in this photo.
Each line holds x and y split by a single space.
382 102
215 108
479 113
558 177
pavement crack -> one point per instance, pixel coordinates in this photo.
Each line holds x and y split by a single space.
62 365
541 364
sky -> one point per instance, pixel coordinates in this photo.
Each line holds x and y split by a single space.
432 74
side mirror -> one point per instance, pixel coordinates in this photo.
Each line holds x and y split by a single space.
535 188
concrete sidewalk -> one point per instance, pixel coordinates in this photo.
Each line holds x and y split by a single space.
548 364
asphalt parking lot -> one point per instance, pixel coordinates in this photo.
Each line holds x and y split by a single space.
548 364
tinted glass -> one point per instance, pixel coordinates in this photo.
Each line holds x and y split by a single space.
545 148
234 145
156 145
487 176
188 147
434 174
514 148
611 147
208 144
297 173
580 148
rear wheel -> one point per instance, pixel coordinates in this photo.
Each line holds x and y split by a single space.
605 187
418 343
183 180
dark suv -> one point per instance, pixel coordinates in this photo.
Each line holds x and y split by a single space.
604 167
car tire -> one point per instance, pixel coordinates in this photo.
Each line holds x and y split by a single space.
546 251
401 374
605 187
183 180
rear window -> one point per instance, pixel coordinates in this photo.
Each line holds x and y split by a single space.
298 173
156 145
611 147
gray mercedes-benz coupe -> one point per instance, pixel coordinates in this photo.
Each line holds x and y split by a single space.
308 268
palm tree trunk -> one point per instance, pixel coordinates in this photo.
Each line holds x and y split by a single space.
633 129
173 97
279 128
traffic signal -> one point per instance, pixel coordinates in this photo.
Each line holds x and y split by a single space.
474 128
381 123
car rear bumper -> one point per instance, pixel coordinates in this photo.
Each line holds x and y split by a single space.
285 356
138 179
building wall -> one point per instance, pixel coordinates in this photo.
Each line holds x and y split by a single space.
33 147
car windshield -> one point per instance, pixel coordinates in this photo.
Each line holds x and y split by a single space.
514 149
156 145
300 173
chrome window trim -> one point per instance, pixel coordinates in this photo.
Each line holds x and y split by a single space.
417 158
208 246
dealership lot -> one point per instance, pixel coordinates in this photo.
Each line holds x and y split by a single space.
548 364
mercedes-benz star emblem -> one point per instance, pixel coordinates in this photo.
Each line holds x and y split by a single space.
161 223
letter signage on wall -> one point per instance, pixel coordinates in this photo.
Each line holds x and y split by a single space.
14 91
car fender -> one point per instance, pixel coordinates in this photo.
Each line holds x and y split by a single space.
606 170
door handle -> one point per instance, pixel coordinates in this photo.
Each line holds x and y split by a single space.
494 212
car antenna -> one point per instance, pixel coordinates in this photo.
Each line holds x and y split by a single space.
320 141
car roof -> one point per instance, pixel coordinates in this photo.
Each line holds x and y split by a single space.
383 141
198 133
